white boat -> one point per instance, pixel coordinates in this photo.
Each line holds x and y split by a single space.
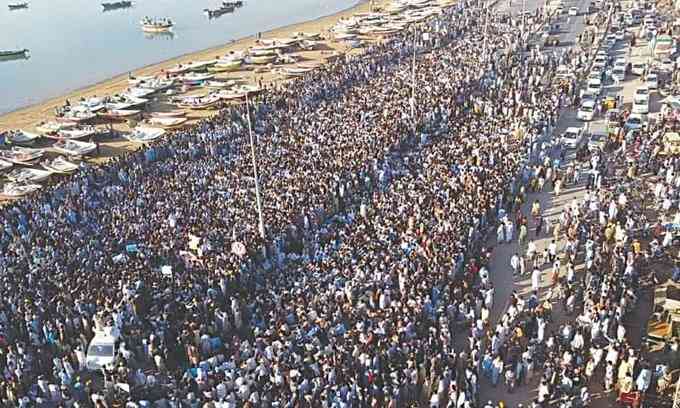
249 89
52 127
198 102
22 137
308 45
219 84
119 113
306 36
195 78
168 122
26 174
143 134
15 190
157 85
230 95
345 36
74 147
4 164
156 25
21 155
178 69
275 43
261 51
77 115
262 59
134 81
59 165
123 102
200 65
226 65
177 113
138 92
75 133
295 71
93 104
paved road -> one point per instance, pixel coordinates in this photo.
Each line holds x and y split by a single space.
500 269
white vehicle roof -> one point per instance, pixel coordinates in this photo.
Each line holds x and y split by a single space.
572 129
651 76
588 103
594 81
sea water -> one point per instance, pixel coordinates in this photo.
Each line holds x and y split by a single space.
74 43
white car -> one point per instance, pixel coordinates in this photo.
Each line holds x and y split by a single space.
573 11
667 65
634 121
594 86
102 350
638 68
641 91
619 74
641 105
572 137
587 111
597 141
652 81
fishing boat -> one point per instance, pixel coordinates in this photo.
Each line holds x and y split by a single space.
114 114
178 69
227 95
219 84
26 174
53 127
295 71
261 51
116 5
306 36
199 102
76 115
157 85
276 43
14 53
262 59
124 102
21 137
168 123
199 66
177 113
17 6
4 165
237 3
74 148
136 80
74 133
93 104
307 45
22 155
226 66
143 134
195 78
59 165
13 191
217 12
156 25
138 92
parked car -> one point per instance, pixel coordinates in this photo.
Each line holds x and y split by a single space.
619 74
594 86
641 105
586 111
638 68
597 141
652 81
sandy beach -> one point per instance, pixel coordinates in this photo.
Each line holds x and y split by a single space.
28 117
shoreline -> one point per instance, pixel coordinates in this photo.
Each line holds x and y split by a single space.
28 116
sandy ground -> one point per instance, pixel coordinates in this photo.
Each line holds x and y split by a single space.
27 118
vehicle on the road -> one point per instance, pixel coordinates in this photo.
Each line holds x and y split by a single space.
641 91
641 105
638 68
667 65
634 122
586 111
652 81
572 137
594 86
597 141
600 61
103 349
619 74
595 75
565 72
573 11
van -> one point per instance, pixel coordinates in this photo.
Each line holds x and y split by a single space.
594 86
641 104
103 349
587 110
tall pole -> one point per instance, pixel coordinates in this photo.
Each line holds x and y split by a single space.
257 179
413 82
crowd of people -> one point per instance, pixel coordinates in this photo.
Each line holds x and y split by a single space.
378 191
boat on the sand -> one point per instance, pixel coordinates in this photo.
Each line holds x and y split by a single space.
113 114
74 148
21 155
53 127
4 164
28 175
59 165
198 102
74 133
22 137
13 191
168 123
142 134
177 113
194 78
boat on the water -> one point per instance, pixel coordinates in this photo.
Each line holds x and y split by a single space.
10 55
59 165
143 134
74 148
116 5
28 175
17 6
219 11
21 137
13 191
155 25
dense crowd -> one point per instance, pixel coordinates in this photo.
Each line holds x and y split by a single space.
372 259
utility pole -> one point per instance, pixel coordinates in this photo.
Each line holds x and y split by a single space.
257 179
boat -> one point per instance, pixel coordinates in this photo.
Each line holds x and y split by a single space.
345 36
13 53
308 45
21 155
168 123
157 85
195 78
124 102
275 43
219 84
136 80
227 95
116 5
249 89
77 115
178 113
178 69
93 104
237 3
138 92
199 66
59 165
27 174
4 165
225 66
262 59
53 127
74 148
217 12
119 113
142 134
306 36
155 25
17 6
199 102
21 137
261 51
295 71
73 133
13 191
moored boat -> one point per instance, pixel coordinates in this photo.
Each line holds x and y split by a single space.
27 174
155 25
168 123
116 5
142 134
59 165
12 191
217 12
74 148
21 137
17 6
177 113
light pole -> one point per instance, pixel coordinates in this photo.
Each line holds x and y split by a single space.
413 82
257 180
